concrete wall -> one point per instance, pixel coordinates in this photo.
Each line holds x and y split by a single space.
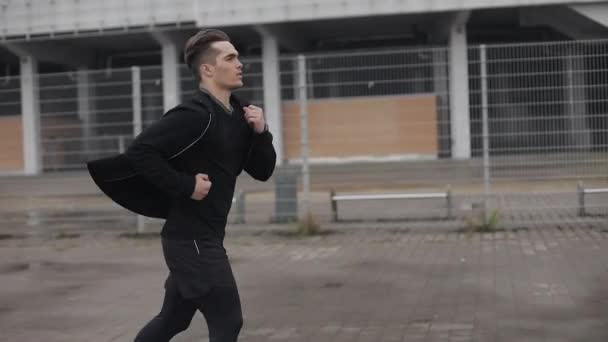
11 143
364 127
230 12
32 17
597 12
26 18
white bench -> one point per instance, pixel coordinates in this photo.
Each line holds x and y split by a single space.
582 191
447 196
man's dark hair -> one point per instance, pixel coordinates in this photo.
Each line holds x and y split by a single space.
198 49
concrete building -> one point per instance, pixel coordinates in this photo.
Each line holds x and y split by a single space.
46 43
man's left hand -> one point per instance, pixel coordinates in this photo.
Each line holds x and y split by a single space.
255 118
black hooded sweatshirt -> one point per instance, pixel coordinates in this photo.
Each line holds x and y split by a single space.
200 136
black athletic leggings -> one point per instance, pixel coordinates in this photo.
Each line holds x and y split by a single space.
221 308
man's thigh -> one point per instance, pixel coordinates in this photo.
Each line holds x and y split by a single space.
175 307
222 310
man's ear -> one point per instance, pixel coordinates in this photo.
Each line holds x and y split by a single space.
206 70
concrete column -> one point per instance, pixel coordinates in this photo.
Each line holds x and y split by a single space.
170 61
439 36
440 88
30 115
272 90
459 87
579 135
85 109
171 84
30 54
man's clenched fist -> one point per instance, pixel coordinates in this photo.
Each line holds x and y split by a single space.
201 189
255 118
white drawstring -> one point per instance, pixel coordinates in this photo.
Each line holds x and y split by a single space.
195 245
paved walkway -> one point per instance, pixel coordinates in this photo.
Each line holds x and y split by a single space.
529 285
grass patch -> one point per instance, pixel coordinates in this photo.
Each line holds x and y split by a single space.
307 227
67 236
140 236
295 234
479 223
6 236
11 237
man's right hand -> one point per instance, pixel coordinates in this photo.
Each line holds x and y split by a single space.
201 189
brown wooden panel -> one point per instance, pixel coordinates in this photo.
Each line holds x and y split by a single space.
364 126
11 143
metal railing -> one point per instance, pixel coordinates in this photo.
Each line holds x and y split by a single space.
545 116
378 122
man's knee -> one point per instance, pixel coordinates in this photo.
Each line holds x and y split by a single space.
237 323
226 330
180 325
161 328
233 323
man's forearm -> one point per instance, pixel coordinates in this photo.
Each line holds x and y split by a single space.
262 157
159 172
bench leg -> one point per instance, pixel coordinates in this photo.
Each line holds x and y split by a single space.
449 203
334 206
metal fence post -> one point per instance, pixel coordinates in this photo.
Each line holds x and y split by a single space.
334 206
121 144
240 207
137 123
580 190
449 201
303 101
136 92
141 224
485 129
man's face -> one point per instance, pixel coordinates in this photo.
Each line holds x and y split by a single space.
227 72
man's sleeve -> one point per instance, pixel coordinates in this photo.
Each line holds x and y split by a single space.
172 134
262 157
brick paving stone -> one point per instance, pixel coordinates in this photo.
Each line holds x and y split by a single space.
540 284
